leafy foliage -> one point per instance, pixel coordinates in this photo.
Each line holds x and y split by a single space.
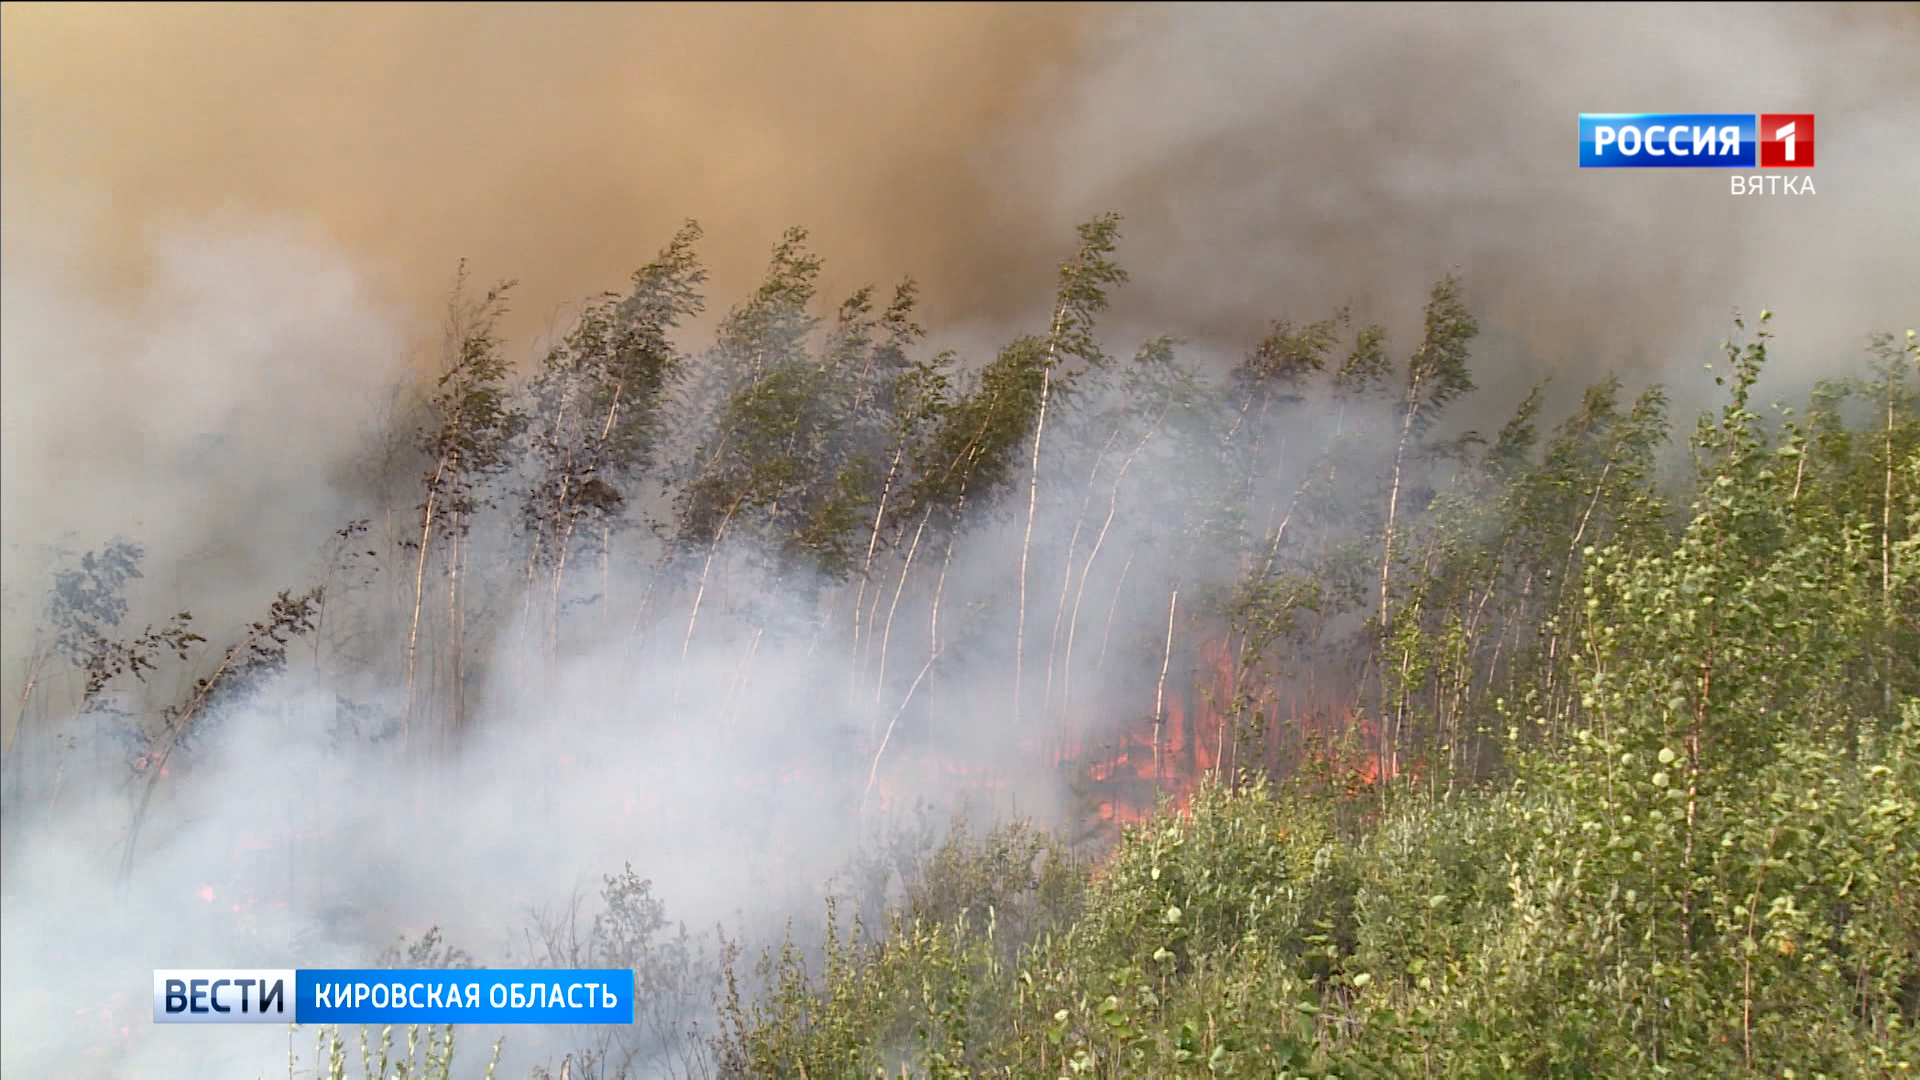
1700 859
597 400
472 419
87 602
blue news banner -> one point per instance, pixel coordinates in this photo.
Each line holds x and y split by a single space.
386 996
1668 140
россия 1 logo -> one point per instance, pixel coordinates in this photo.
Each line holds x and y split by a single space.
1696 140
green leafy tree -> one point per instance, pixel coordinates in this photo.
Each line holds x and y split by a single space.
1084 281
467 438
596 411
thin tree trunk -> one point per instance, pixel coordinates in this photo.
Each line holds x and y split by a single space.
456 642
1566 570
1059 617
940 587
1886 556
1693 797
563 546
934 650
873 770
1386 571
1066 577
873 616
1886 508
1746 959
1106 635
1393 506
1026 540
740 674
1113 507
26 692
419 591
563 517
646 597
553 599
606 576
866 570
606 530
526 602
700 593
1160 692
1033 503
886 635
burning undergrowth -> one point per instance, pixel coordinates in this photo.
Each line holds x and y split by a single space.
811 574
722 613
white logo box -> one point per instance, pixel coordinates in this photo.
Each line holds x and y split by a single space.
223 996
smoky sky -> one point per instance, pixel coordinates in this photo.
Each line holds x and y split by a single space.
229 229
1267 159
558 144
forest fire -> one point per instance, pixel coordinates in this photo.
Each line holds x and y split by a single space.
1120 772
1204 561
1130 771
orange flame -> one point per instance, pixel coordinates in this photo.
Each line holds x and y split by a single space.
1146 761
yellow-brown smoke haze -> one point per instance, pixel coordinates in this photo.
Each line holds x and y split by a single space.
1269 161
558 144
227 227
